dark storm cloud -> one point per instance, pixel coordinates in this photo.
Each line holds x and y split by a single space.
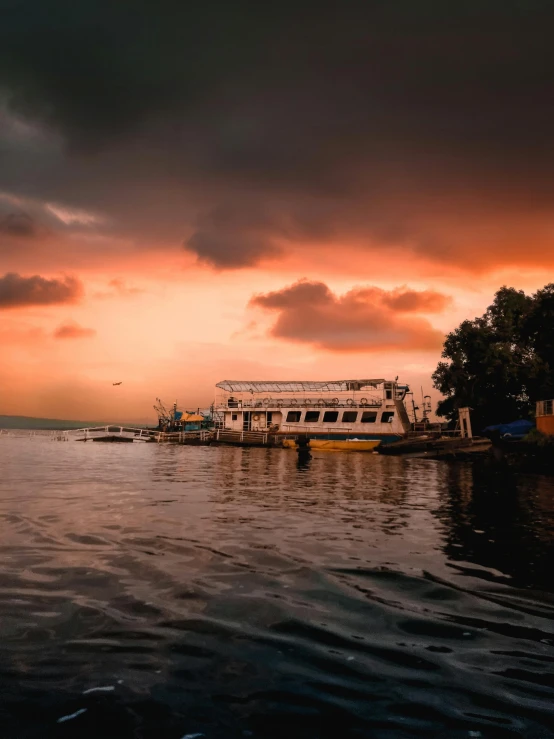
18 224
17 291
236 234
366 120
363 319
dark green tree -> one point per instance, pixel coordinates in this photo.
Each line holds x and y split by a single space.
501 363
538 331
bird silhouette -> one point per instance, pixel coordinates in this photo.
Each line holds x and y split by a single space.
117 383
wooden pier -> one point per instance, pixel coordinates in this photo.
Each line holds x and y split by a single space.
127 434
435 447
244 438
117 434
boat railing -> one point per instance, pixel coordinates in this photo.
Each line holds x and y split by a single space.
297 429
271 403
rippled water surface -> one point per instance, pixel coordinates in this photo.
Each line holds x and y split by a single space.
154 591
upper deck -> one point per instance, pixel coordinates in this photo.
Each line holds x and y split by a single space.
330 393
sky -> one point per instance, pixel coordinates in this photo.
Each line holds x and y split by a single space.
192 192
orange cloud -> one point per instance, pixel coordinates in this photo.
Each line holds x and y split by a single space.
363 319
73 331
404 300
119 289
17 291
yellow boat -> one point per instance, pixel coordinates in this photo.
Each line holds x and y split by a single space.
333 445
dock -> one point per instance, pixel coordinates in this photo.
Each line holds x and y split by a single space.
437 447
202 437
128 434
245 438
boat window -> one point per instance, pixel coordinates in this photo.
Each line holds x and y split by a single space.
349 416
312 416
234 417
330 416
293 416
269 416
387 416
369 416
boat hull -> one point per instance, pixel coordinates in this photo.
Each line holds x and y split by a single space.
337 445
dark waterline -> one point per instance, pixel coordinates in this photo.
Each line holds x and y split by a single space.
237 593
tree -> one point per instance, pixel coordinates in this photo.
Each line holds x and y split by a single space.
501 363
538 329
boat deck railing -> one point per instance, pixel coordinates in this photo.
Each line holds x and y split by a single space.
296 429
272 403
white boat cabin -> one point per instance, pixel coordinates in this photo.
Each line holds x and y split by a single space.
362 409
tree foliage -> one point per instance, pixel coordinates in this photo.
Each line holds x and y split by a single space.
501 363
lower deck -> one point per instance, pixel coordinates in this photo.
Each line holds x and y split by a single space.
387 422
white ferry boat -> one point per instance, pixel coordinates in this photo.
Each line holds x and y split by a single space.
335 415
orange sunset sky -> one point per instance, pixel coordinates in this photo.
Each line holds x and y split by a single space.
260 191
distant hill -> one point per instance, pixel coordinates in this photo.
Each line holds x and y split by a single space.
28 422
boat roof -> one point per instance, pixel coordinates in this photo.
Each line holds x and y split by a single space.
192 417
295 386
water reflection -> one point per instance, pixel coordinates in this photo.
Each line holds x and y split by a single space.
501 521
303 459
245 592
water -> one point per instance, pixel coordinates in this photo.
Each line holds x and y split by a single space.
157 591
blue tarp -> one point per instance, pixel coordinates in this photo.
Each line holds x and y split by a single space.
514 430
195 426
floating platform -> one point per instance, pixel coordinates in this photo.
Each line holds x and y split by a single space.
437 447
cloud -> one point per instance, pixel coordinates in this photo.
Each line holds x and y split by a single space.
231 249
363 319
119 289
17 291
73 331
69 217
18 224
369 124
404 300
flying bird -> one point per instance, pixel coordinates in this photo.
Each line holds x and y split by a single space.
117 383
